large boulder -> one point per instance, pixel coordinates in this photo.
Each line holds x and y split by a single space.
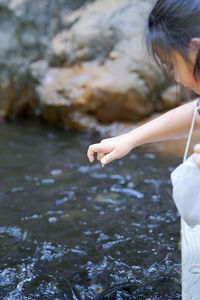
26 29
99 67
81 67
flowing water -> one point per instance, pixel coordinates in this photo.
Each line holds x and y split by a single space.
72 230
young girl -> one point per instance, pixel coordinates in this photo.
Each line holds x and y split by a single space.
173 40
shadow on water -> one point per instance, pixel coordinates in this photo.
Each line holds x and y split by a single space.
72 230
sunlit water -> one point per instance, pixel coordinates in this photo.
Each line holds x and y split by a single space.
72 230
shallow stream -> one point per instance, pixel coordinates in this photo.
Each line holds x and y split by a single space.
72 230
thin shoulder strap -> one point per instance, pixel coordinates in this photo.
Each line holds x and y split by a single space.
197 108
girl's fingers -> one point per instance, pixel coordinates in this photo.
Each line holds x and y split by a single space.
197 159
108 158
99 148
197 148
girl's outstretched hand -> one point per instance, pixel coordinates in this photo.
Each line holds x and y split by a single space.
110 149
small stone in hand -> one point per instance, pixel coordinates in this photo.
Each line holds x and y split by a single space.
100 156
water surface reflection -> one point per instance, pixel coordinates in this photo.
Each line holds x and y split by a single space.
71 230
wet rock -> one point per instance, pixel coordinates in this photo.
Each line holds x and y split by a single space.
109 198
17 48
94 90
106 76
78 69
26 27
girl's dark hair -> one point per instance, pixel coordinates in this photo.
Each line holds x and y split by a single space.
171 26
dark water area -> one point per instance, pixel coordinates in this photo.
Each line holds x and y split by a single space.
73 230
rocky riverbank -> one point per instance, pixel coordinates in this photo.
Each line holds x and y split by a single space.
80 65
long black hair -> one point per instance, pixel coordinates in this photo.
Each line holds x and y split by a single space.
171 26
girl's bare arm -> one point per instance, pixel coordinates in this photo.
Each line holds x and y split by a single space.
174 123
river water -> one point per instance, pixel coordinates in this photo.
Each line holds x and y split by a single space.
72 230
